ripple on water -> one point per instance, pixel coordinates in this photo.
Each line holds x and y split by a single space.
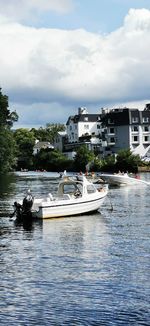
86 270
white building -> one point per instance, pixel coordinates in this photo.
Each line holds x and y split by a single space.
108 132
84 128
41 145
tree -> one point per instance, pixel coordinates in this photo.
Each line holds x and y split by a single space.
53 129
25 141
7 143
108 164
52 160
49 133
83 157
6 117
7 151
126 161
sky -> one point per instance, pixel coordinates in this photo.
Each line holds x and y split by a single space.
58 55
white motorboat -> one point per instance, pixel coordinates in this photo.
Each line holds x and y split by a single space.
75 195
121 179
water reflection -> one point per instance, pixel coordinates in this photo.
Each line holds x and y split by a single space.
7 184
28 225
85 270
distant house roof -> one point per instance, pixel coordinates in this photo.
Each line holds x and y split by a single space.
83 117
62 133
43 144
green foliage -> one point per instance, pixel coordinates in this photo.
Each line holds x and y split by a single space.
7 150
25 141
52 160
49 133
6 117
108 164
126 161
7 143
83 157
96 164
54 129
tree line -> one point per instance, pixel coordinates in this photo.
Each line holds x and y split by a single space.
16 149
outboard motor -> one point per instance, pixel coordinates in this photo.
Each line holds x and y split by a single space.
23 212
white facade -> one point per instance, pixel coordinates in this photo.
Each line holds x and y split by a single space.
140 139
41 145
83 124
110 131
128 128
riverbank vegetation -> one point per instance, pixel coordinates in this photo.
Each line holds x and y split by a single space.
16 150
8 148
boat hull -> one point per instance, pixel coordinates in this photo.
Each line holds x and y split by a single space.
121 180
54 209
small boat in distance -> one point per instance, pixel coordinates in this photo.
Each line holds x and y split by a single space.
122 179
75 196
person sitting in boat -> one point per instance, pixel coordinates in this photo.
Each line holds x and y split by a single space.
137 176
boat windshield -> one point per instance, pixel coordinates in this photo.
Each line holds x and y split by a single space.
72 188
90 189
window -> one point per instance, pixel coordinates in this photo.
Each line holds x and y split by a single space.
135 119
135 139
146 129
145 119
112 140
86 119
135 128
98 126
112 130
90 189
86 126
146 139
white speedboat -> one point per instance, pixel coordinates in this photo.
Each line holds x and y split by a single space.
122 179
75 195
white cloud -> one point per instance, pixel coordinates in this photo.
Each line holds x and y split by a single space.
18 10
137 20
40 67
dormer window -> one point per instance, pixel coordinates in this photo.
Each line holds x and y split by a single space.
135 119
145 119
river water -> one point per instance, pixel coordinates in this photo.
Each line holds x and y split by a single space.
86 270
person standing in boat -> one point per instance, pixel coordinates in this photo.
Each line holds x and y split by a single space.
27 201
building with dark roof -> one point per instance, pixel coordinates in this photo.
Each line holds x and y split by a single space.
127 128
84 128
109 131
